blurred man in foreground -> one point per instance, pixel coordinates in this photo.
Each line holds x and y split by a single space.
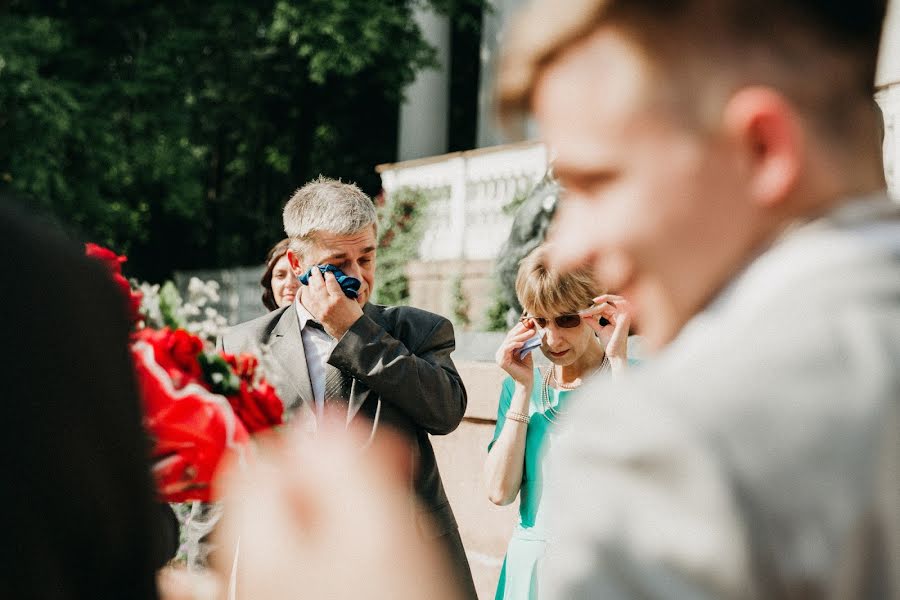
722 167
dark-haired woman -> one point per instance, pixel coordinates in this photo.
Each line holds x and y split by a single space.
278 281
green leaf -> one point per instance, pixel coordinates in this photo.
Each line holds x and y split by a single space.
169 303
218 374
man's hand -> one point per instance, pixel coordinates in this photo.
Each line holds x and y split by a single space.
326 302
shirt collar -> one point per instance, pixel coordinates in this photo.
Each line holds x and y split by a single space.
303 315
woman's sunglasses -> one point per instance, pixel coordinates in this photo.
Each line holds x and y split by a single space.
563 321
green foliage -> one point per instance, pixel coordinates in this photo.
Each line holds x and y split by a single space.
466 14
497 314
218 374
169 305
175 131
401 225
513 206
460 303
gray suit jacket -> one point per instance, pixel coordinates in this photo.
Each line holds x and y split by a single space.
399 358
759 455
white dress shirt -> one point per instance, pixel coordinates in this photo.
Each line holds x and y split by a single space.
317 346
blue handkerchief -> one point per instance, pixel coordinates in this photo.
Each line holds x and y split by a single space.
350 285
532 343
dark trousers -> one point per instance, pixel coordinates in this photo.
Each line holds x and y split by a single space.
459 564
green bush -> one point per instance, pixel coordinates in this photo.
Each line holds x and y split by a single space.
401 225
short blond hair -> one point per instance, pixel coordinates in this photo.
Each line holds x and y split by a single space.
537 34
545 291
704 42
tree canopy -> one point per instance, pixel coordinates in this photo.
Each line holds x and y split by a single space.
175 131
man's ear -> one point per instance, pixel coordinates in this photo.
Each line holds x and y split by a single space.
769 135
295 261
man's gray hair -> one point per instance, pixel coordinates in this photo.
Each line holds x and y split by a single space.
329 206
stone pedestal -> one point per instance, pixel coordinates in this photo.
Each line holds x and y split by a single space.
431 287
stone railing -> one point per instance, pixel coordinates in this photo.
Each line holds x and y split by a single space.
889 100
467 192
466 224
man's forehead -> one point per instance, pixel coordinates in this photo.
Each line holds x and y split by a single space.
602 76
592 103
331 244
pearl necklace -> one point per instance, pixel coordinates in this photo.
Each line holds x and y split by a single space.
550 375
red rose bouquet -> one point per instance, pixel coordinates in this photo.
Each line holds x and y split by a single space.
199 405
114 262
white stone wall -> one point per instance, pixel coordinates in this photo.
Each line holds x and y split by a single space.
889 101
888 97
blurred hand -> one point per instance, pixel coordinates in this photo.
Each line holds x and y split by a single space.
180 584
614 335
326 302
324 518
507 357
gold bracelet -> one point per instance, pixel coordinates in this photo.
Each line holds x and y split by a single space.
514 416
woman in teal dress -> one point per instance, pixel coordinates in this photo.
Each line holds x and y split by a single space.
582 334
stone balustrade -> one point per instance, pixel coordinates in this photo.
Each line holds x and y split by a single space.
467 224
467 192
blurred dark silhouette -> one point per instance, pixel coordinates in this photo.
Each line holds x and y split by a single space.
79 513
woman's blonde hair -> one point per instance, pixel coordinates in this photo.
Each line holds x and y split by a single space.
547 292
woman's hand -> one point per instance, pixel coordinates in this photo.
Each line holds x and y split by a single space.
521 370
614 335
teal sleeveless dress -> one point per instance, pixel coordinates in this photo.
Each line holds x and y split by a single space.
521 567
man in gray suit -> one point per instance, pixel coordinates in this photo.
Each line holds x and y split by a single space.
389 365
722 171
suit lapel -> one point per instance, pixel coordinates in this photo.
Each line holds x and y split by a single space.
360 392
286 347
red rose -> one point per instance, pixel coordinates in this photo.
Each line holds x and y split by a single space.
114 262
244 365
132 298
184 348
176 352
192 429
258 408
256 404
247 410
270 403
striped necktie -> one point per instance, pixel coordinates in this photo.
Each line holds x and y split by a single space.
337 383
